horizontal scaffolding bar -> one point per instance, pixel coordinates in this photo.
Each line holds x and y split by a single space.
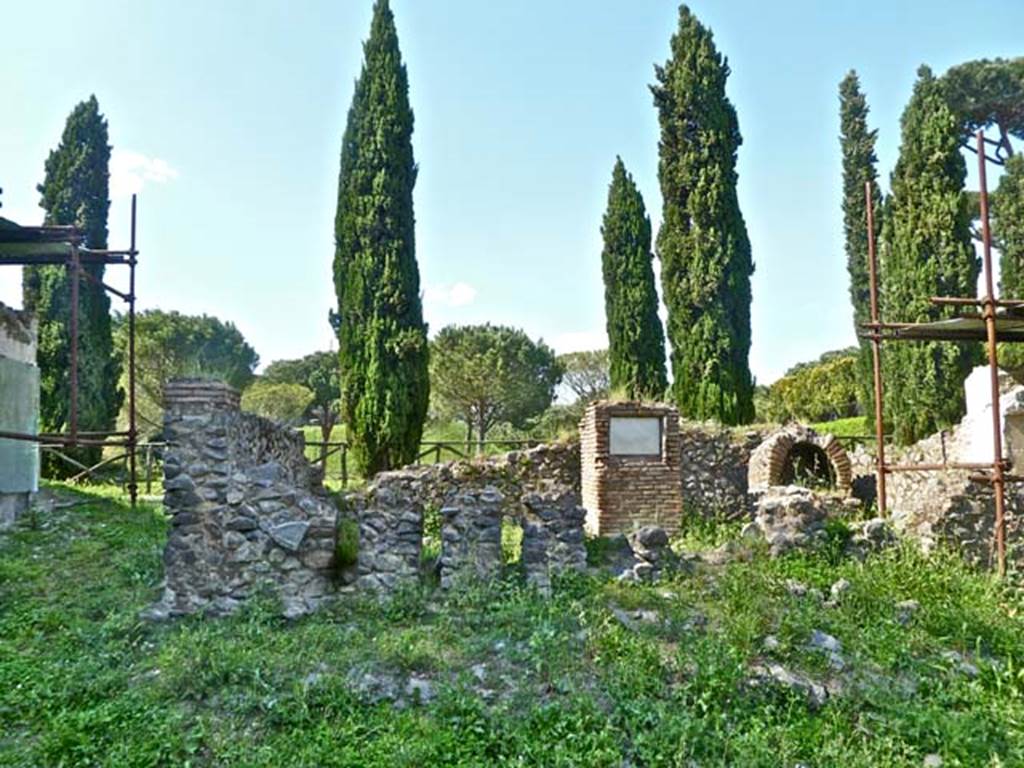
969 465
968 302
48 234
67 440
989 479
37 259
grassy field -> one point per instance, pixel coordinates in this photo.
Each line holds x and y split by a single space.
448 432
855 426
602 674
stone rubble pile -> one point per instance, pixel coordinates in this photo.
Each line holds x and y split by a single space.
870 536
789 517
652 555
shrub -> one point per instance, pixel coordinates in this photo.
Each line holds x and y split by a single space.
819 391
346 552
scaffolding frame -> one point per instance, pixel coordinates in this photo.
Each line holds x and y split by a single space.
69 251
993 472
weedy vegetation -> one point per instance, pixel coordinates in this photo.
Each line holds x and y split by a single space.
600 674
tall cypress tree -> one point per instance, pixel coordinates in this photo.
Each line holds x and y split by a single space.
859 166
382 338
636 341
1008 228
927 252
705 253
76 191
1008 236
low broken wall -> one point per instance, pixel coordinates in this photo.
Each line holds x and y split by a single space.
390 518
552 536
713 470
535 488
513 474
946 508
471 537
247 510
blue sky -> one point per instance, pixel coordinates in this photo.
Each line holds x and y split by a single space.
227 117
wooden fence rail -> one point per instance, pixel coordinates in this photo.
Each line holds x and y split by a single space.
150 455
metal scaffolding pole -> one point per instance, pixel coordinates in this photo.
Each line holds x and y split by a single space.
877 332
876 353
68 252
989 313
133 438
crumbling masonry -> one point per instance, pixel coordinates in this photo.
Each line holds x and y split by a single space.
247 511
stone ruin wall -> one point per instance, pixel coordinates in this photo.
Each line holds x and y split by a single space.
249 515
247 511
514 474
946 508
538 488
713 469
705 469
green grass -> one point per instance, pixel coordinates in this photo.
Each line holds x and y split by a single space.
855 426
84 682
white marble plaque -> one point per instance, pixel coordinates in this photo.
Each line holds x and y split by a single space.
635 436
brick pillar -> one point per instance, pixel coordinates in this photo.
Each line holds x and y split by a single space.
624 491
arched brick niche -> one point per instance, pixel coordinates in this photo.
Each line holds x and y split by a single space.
797 455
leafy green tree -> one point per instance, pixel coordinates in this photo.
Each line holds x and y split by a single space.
283 403
170 345
319 373
76 191
586 374
859 166
927 252
702 243
385 382
636 341
986 93
820 391
486 375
